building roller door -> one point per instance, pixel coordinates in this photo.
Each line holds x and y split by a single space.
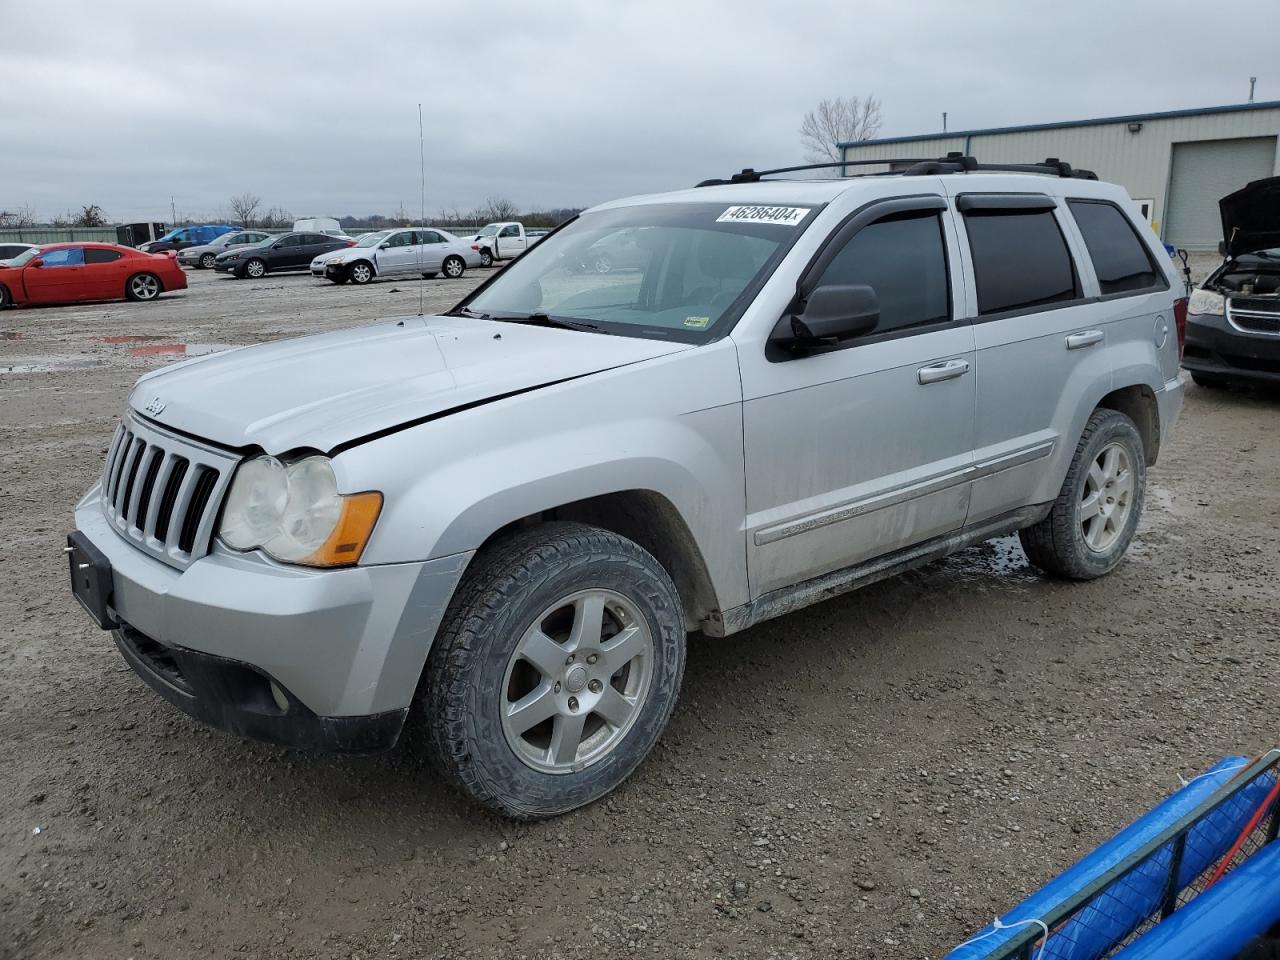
1203 172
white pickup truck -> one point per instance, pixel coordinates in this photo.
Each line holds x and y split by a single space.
505 241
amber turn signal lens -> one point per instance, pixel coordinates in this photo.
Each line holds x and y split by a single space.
355 526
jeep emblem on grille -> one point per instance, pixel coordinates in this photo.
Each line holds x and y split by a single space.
155 407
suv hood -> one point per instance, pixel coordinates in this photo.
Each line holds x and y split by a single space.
324 391
1251 217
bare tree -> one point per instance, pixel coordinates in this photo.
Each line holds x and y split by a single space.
90 215
500 208
275 218
836 121
18 217
243 207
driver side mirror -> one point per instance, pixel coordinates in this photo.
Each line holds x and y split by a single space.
37 262
835 312
385 244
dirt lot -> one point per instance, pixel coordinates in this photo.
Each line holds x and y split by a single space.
873 777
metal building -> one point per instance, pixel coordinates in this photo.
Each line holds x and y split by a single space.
1175 164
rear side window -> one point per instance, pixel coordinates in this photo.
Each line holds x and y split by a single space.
1020 260
904 260
95 255
1120 259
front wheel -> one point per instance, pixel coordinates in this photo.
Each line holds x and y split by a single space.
255 268
454 267
207 260
143 287
556 669
1095 516
6 298
360 272
486 258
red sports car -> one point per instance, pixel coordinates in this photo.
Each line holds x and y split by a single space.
71 272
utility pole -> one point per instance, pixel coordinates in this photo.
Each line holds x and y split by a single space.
173 212
944 121
1252 82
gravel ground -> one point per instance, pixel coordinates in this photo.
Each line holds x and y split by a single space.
873 777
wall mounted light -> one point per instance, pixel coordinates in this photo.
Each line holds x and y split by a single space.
1135 126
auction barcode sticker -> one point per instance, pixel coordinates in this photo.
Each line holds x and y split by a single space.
787 216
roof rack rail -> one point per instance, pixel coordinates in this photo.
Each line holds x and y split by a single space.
952 163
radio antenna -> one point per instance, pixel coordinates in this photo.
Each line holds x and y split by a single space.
422 222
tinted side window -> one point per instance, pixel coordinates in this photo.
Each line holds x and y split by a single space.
512 231
904 260
9 251
292 241
429 236
1020 259
1120 259
94 255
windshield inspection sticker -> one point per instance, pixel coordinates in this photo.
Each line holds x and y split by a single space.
698 322
786 216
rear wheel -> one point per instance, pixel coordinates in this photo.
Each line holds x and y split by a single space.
207 260
1095 516
143 287
453 267
360 272
486 258
255 268
555 671
6 298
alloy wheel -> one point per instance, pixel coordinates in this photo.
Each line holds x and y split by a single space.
1107 497
577 681
144 287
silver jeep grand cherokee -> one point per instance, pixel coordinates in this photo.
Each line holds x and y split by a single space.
506 520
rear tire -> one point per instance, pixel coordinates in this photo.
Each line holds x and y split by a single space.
584 629
255 269
486 258
6 298
454 267
360 272
1095 516
143 287
207 260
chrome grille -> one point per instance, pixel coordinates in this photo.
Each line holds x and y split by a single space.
1254 316
162 492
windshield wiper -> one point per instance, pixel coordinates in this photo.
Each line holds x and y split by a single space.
468 312
547 320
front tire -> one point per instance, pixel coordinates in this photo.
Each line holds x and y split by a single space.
1095 516
454 267
143 287
6 298
556 669
486 258
360 273
207 260
255 269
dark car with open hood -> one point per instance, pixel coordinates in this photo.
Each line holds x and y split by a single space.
1233 320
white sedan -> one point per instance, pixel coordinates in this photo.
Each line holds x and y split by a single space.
426 251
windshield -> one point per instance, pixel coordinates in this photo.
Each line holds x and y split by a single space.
670 271
22 259
488 231
373 239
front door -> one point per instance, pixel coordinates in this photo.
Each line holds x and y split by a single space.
399 253
509 242
865 447
59 279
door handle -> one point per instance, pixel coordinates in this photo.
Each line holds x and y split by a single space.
1087 338
937 372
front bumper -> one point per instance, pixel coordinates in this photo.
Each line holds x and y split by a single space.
226 266
1215 348
338 644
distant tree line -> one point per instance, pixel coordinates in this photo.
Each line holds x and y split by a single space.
90 215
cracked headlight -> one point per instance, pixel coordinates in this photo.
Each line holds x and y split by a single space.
295 514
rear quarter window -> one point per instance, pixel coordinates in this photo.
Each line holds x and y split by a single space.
1120 258
1020 260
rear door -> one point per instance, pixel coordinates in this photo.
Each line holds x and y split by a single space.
859 451
1039 346
105 273
59 279
432 248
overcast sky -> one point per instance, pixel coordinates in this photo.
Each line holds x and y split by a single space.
313 106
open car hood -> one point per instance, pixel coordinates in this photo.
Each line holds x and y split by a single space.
328 390
1251 217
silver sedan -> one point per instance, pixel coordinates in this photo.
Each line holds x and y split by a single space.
428 251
